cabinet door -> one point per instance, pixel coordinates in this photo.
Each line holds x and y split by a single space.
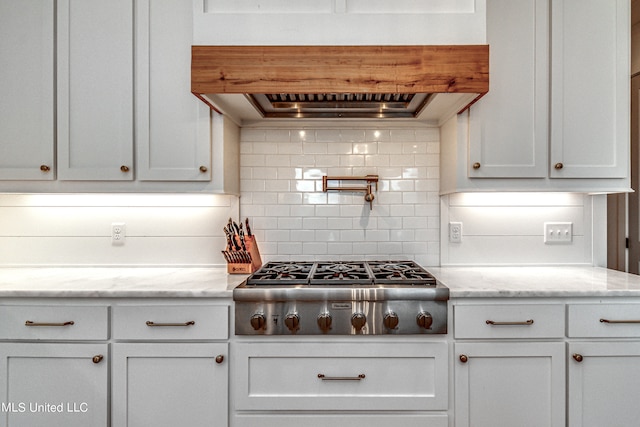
590 89
604 386
26 89
58 385
95 89
168 385
173 129
508 134
510 384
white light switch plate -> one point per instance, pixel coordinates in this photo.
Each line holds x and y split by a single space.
558 232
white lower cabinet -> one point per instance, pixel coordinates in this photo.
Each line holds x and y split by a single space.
168 385
510 384
340 383
604 384
504 374
53 384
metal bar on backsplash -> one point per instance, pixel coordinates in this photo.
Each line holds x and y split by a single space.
370 179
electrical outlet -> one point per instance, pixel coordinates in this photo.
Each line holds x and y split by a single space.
118 232
558 232
455 232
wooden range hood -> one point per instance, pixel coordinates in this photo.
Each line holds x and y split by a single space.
339 81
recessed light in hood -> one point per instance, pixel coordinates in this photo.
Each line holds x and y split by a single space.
337 81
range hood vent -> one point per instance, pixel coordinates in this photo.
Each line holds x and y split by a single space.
337 82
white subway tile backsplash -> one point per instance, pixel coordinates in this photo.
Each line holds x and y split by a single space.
282 168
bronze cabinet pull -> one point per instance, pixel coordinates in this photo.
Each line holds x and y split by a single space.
476 165
189 323
558 166
525 323
203 169
45 168
30 323
619 321
219 358
124 168
97 358
577 357
464 358
323 377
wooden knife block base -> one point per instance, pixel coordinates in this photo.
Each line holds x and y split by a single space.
256 260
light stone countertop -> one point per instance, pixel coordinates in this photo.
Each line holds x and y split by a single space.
115 282
191 282
561 281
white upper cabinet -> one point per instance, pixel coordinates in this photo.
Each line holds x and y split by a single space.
558 103
95 89
27 90
173 128
590 88
508 134
339 22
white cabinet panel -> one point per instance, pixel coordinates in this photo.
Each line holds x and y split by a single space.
604 321
508 127
510 384
54 322
170 322
63 376
95 89
590 88
325 419
27 90
168 385
372 376
173 127
604 386
525 321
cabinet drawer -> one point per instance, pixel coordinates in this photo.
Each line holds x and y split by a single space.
341 376
53 322
604 320
341 420
509 321
171 322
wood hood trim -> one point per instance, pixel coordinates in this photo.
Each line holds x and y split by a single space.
340 69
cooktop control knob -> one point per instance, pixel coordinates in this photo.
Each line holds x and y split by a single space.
390 320
258 321
324 322
424 320
292 321
358 320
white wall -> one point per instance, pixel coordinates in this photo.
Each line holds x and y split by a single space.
281 190
508 228
75 230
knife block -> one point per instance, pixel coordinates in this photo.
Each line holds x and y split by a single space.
256 260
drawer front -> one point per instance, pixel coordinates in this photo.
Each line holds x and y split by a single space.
509 321
341 420
347 376
604 320
171 322
53 322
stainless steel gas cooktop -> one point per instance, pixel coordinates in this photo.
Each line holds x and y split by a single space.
341 298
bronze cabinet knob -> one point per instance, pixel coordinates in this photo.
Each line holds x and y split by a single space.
558 166
464 358
203 169
97 358
124 168
577 357
476 165
45 168
219 358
